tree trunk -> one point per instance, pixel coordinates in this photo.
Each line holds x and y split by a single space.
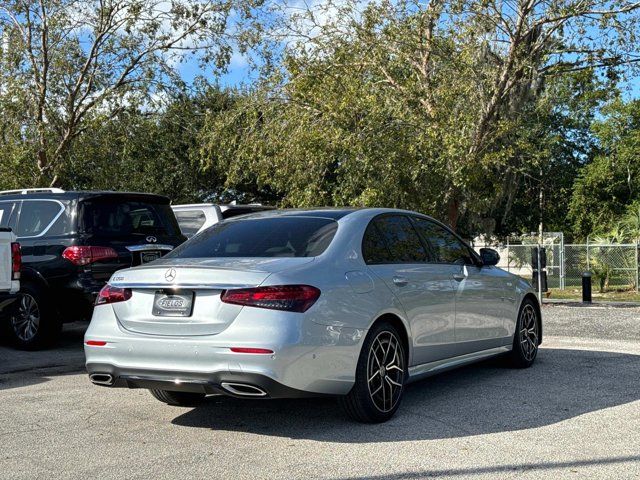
453 211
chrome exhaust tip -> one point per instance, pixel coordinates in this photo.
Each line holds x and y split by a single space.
102 379
243 390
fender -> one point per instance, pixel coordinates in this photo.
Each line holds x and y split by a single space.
29 274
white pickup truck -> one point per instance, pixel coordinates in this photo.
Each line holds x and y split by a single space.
10 265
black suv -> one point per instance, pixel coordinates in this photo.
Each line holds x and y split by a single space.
71 244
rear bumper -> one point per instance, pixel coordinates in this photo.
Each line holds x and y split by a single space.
239 385
308 359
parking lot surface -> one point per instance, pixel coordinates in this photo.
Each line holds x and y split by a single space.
574 414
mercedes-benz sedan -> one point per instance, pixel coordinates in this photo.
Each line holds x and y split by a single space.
344 302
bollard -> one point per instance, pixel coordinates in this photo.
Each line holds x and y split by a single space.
586 287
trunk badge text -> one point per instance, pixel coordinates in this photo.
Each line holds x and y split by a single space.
170 275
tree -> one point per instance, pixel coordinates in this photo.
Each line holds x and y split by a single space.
610 183
69 63
415 104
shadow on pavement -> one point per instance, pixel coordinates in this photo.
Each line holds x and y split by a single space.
474 400
504 469
19 368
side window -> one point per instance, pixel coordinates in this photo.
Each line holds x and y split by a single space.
190 221
374 248
446 246
36 216
5 213
396 233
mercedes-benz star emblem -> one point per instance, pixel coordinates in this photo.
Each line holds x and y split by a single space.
151 239
170 275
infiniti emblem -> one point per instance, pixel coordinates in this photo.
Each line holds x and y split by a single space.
170 275
151 239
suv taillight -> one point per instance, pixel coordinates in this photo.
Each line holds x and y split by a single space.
16 261
84 255
111 294
291 298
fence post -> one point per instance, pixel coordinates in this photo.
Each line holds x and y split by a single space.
588 266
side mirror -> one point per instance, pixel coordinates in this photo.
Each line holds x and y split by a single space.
489 256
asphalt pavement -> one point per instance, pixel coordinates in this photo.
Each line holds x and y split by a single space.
574 414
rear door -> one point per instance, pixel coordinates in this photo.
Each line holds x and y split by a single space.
140 228
395 253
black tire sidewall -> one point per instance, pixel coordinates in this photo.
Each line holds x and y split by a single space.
517 355
359 397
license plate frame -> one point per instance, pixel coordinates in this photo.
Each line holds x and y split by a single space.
173 304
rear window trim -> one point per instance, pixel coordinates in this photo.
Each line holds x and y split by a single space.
48 227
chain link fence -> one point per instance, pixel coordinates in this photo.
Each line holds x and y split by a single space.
612 266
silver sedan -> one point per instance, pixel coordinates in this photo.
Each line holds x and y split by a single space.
354 303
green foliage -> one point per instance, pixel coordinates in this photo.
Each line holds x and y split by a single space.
611 181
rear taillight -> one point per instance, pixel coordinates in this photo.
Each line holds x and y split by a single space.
16 261
291 298
84 255
111 294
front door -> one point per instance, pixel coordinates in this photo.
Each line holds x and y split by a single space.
479 293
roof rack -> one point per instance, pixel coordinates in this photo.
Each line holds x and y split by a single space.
26 191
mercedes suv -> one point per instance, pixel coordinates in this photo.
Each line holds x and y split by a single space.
71 244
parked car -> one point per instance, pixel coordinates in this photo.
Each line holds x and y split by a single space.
10 266
71 244
352 303
196 217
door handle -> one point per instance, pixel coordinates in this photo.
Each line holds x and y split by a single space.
400 281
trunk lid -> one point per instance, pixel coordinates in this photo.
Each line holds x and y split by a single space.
203 279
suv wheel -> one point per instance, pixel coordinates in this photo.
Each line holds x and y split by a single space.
380 376
32 324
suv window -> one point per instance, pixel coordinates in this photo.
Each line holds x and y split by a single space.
265 237
5 213
36 216
118 216
190 221
392 239
446 246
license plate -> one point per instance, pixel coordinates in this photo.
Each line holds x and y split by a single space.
146 257
173 304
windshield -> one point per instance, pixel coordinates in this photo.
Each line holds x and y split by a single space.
119 217
264 237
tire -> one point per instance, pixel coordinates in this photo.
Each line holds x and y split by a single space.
33 324
376 394
526 337
178 399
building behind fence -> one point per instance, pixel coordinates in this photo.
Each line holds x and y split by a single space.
613 266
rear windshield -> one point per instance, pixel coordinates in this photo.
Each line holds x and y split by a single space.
116 217
264 237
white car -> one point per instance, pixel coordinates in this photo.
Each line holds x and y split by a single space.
345 302
10 266
196 217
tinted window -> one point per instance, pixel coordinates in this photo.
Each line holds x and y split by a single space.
234 212
266 237
398 235
36 216
447 248
190 221
374 248
122 217
5 213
